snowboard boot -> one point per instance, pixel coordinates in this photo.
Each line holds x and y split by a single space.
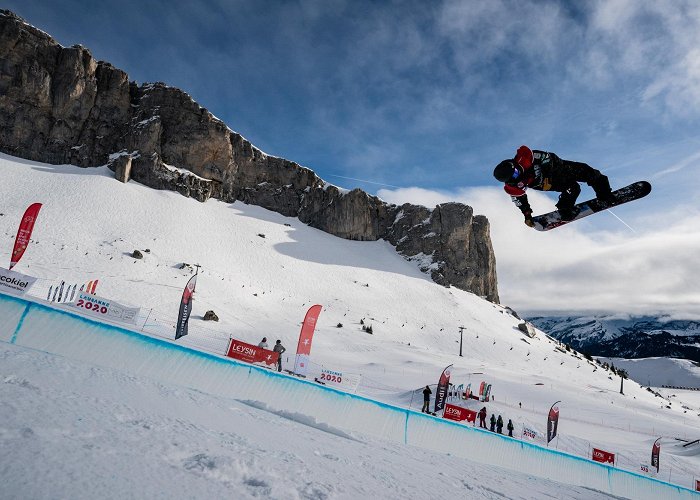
601 186
567 200
568 213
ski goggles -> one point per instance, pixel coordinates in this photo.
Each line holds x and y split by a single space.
517 172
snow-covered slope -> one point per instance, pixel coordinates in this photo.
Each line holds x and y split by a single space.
261 272
115 436
660 372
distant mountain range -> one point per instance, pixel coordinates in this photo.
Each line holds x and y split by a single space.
625 337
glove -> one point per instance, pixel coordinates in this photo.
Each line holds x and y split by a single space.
528 219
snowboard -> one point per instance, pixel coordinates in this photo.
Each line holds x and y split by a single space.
634 191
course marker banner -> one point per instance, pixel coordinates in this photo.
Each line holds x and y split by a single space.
251 353
603 456
15 283
104 308
457 413
348 381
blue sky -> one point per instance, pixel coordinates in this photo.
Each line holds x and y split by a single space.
417 101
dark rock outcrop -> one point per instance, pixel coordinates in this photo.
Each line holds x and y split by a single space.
59 105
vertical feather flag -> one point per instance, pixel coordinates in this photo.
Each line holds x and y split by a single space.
24 233
552 422
441 391
301 364
655 451
183 317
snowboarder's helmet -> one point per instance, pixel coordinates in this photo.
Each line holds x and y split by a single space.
504 170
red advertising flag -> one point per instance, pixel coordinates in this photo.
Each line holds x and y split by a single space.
453 412
603 456
471 416
24 233
183 316
301 364
697 485
251 353
655 451
441 391
552 422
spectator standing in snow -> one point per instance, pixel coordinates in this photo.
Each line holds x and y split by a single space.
279 348
482 418
499 425
426 399
493 423
510 427
263 343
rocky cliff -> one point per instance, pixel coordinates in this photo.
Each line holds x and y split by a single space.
59 105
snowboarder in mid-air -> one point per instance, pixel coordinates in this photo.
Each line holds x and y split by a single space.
547 172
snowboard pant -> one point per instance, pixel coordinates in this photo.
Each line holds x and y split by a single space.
565 176
426 406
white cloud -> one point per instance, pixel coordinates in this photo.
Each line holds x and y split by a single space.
580 268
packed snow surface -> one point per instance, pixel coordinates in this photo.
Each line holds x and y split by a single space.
88 431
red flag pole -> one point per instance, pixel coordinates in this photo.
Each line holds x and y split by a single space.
183 317
441 391
552 422
24 233
655 452
301 363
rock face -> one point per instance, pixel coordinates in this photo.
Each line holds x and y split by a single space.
59 105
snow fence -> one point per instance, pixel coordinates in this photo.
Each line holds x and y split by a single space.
37 325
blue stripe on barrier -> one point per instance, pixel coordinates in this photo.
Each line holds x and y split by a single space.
410 414
20 322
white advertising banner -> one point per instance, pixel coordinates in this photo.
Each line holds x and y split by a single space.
530 433
104 308
647 469
348 381
15 283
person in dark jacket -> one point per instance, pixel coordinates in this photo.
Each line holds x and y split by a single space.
545 171
279 348
482 418
493 422
426 399
510 427
499 425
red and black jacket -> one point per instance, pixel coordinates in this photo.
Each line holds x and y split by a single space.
536 168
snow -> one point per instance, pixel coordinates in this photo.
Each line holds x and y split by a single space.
117 436
657 372
288 398
97 424
185 172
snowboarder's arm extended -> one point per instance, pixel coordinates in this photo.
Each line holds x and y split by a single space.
519 197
